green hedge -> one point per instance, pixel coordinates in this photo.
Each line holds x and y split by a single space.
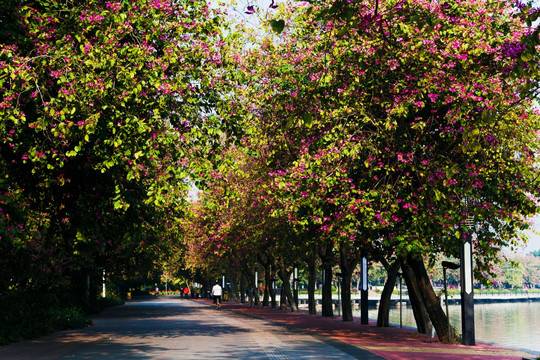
29 315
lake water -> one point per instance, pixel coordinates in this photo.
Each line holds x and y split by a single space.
512 325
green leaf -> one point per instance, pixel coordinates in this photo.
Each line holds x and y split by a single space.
526 56
277 25
342 32
308 120
290 122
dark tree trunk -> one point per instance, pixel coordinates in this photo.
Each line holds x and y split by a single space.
266 296
327 306
326 254
245 281
271 290
267 286
431 301
233 293
242 288
257 293
267 283
384 304
312 278
420 313
286 293
347 264
346 305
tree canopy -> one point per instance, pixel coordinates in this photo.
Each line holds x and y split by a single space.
338 128
387 126
102 106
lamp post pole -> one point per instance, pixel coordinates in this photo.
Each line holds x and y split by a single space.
338 283
103 278
467 290
295 286
400 300
257 299
364 320
256 279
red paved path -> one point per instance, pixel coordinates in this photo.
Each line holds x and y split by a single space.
389 343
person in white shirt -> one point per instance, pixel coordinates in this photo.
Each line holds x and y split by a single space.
216 294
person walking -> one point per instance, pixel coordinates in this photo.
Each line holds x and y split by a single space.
217 291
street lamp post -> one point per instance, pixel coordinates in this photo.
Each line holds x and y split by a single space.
257 299
295 285
467 291
364 320
400 300
103 278
256 279
338 293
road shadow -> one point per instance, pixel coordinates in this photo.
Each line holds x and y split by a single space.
166 328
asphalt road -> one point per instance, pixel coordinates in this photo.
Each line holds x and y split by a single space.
170 328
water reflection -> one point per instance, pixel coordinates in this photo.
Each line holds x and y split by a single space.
512 325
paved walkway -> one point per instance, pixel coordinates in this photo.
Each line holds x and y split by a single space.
388 343
170 328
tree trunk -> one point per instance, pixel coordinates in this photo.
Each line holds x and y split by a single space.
267 282
267 286
431 301
384 304
347 266
312 278
423 324
286 293
257 299
242 288
233 294
346 305
266 296
270 288
246 278
326 254
327 305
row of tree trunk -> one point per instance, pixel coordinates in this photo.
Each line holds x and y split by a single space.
424 301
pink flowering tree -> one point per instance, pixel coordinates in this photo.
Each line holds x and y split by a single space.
231 230
382 118
103 104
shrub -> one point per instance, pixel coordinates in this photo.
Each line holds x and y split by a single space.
26 315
